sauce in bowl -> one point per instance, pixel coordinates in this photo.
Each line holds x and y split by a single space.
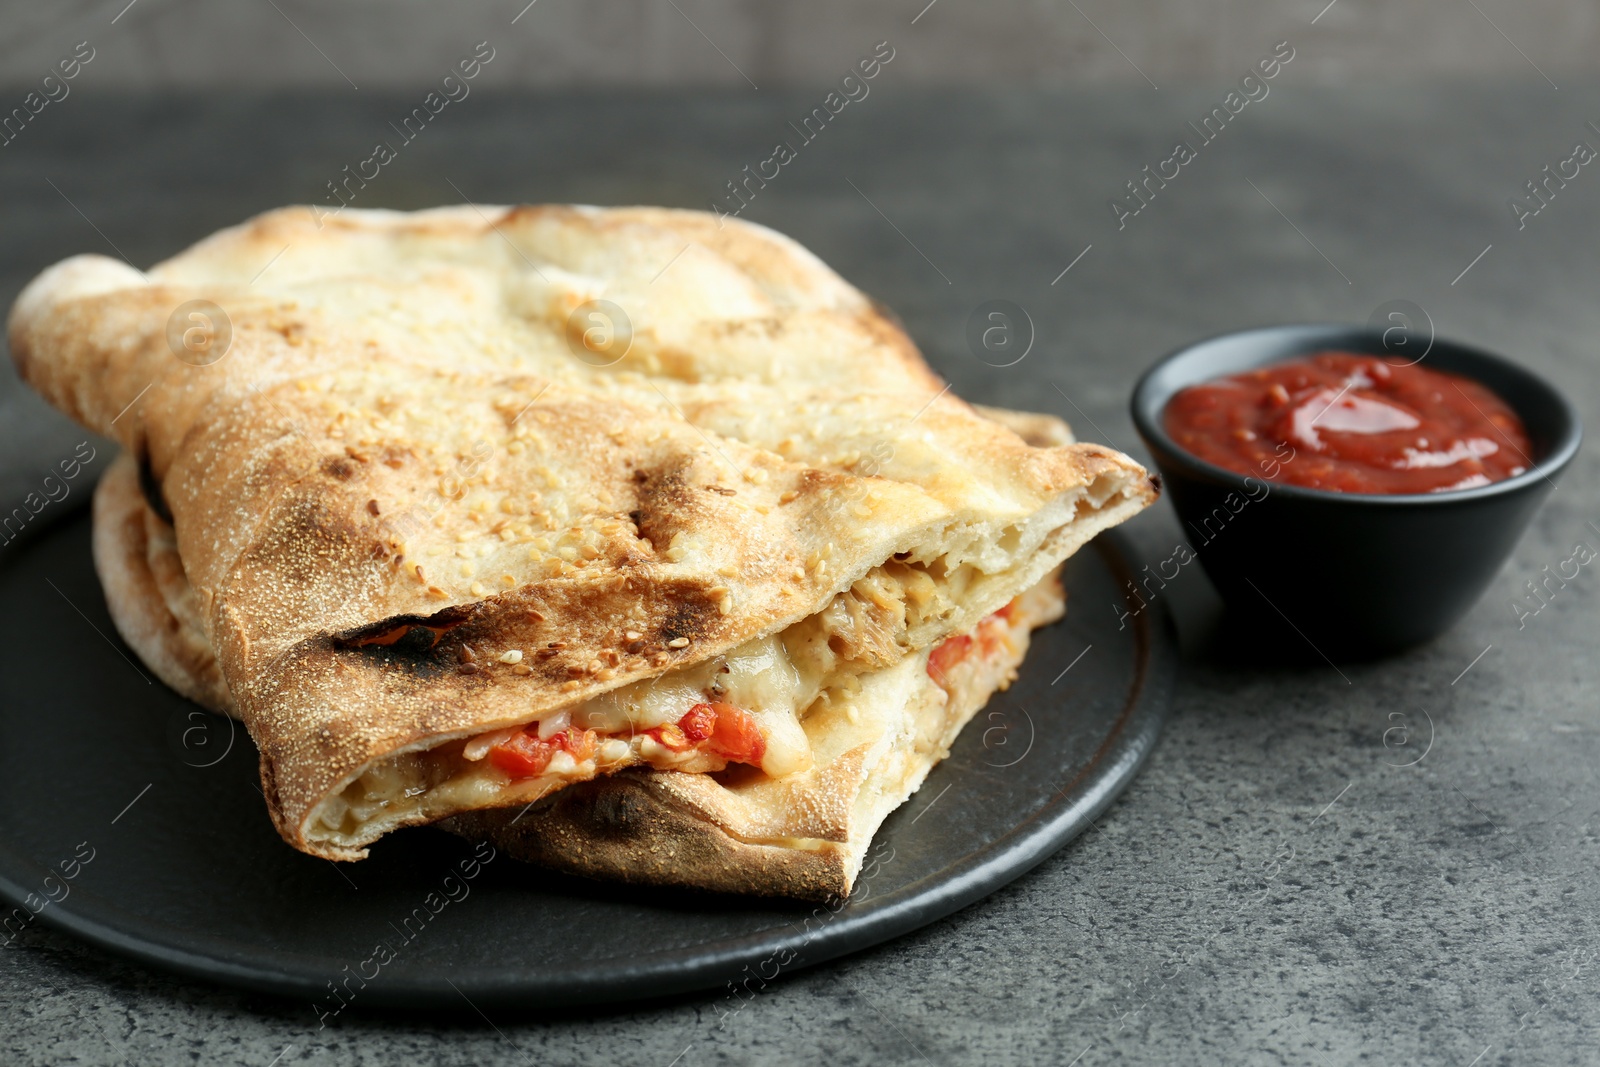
1351 423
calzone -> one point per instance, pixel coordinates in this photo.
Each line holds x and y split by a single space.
634 539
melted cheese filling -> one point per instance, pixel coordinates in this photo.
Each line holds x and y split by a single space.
875 624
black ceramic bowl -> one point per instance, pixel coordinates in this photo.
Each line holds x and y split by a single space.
1356 574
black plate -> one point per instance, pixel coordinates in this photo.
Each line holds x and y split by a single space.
133 820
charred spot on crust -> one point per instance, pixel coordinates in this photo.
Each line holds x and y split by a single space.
735 775
621 812
414 641
389 631
151 488
309 535
663 497
1155 481
815 480
339 467
691 616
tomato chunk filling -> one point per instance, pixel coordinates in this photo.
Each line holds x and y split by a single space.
720 729
527 755
985 642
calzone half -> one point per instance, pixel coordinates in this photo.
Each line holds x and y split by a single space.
635 539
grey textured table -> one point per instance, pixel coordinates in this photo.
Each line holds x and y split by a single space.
1278 887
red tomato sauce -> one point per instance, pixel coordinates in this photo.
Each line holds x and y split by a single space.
721 729
1352 424
991 630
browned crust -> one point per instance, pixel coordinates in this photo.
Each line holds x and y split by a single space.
634 827
640 826
297 467
150 599
665 828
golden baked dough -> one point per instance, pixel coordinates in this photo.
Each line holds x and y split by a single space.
401 435
803 835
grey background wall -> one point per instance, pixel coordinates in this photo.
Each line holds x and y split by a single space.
368 43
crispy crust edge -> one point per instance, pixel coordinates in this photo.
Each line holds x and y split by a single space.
126 555
636 827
